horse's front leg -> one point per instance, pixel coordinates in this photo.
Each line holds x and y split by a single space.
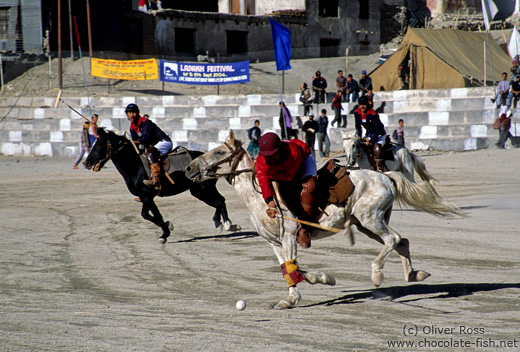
286 254
156 218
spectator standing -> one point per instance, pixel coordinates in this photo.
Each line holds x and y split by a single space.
503 131
514 92
319 85
286 121
310 128
86 142
404 75
94 128
365 83
254 134
400 133
306 98
341 84
352 89
142 5
337 107
323 138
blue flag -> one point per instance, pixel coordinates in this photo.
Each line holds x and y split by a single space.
282 45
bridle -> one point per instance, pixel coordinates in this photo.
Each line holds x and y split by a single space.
233 159
109 154
356 155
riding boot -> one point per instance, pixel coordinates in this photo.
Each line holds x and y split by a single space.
308 202
155 168
380 163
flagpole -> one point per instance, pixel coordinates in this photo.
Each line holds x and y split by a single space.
281 100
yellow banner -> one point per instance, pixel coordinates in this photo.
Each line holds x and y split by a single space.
129 69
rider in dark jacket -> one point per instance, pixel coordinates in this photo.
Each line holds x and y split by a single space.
375 130
145 132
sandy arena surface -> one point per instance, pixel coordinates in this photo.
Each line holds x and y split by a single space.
82 271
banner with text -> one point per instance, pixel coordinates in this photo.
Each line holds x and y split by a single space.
204 74
129 69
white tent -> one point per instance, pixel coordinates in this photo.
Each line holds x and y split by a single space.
514 44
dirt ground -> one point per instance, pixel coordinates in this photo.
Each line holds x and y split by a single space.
82 271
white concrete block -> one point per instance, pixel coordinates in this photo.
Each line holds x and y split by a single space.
213 145
234 123
128 100
189 124
384 119
107 123
444 105
276 122
401 106
56 136
488 116
436 118
11 149
222 135
64 124
515 129
168 100
244 111
477 131
43 149
179 136
254 99
428 132
199 112
70 152
158 112
293 109
470 144
419 146
459 93
39 113
85 102
15 136
118 113
210 100
400 95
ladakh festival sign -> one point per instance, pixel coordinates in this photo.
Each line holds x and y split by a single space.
127 70
204 74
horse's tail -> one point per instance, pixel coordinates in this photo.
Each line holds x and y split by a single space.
420 168
422 196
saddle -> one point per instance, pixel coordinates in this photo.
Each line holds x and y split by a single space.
386 152
176 160
333 185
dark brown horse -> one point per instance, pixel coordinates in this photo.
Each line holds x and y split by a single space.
128 162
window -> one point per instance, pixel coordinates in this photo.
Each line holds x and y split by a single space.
4 22
236 42
185 40
328 8
329 47
363 9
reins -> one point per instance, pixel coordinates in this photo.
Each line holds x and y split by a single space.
110 153
233 160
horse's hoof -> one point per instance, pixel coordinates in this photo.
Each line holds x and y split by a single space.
283 305
320 278
170 225
377 279
161 240
220 228
418 275
227 225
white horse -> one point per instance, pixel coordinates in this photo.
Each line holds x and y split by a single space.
368 208
404 161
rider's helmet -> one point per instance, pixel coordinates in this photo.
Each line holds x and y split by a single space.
132 108
363 100
269 144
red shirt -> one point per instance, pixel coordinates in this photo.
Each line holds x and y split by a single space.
286 170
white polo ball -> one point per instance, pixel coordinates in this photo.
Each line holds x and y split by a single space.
241 305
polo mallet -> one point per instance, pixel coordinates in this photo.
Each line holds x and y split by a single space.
77 112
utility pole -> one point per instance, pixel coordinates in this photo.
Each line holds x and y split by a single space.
60 80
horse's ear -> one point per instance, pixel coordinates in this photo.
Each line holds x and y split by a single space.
231 137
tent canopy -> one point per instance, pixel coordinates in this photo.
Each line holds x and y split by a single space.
441 59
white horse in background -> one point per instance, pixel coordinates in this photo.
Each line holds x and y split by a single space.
368 208
404 161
